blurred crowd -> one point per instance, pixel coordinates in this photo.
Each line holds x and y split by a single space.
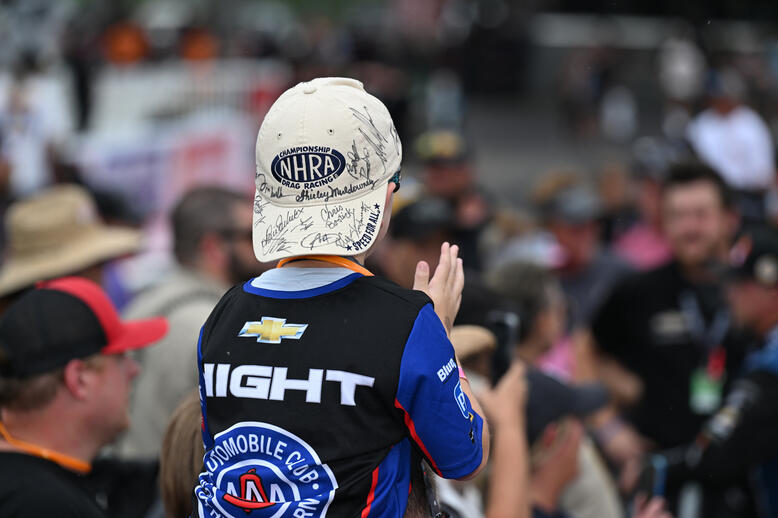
640 301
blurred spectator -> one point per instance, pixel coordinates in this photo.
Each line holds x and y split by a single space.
734 140
33 121
590 491
181 457
559 460
64 385
198 44
581 85
569 210
513 235
538 298
124 43
618 113
560 453
670 326
416 232
554 466
549 401
449 174
444 100
644 244
213 249
616 195
540 303
736 444
682 69
58 233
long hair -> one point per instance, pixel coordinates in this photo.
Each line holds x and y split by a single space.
181 458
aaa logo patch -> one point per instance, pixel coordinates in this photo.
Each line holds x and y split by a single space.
259 470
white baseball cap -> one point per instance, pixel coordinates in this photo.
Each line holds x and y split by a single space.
325 153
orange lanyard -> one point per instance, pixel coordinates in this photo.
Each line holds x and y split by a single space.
66 461
334 259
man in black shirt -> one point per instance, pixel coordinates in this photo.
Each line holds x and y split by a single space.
64 387
670 327
739 440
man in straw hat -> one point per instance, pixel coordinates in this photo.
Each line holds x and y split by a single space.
322 386
58 232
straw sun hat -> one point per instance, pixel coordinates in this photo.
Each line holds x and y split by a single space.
470 340
57 233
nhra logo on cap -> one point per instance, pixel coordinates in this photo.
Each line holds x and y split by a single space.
306 167
257 470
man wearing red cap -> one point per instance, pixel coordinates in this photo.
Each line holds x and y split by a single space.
64 386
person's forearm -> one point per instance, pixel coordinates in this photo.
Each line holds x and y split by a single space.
508 495
625 387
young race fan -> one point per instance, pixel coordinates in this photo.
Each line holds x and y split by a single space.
323 386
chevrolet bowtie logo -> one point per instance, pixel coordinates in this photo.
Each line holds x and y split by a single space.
271 330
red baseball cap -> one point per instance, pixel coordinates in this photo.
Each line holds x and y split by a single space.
65 319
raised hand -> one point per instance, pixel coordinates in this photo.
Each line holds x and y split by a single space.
654 508
445 287
505 404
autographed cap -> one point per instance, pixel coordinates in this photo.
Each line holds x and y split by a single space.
325 153
66 319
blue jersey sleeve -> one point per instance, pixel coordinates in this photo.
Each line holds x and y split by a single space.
438 414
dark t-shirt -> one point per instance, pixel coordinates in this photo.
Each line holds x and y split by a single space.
538 513
732 449
645 326
586 289
736 448
31 487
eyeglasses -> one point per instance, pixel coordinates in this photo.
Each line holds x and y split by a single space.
396 179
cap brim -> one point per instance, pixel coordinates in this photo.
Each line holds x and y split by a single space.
344 228
588 398
137 334
550 399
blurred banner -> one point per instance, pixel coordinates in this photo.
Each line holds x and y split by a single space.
152 166
159 130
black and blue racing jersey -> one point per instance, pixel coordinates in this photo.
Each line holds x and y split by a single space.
315 402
